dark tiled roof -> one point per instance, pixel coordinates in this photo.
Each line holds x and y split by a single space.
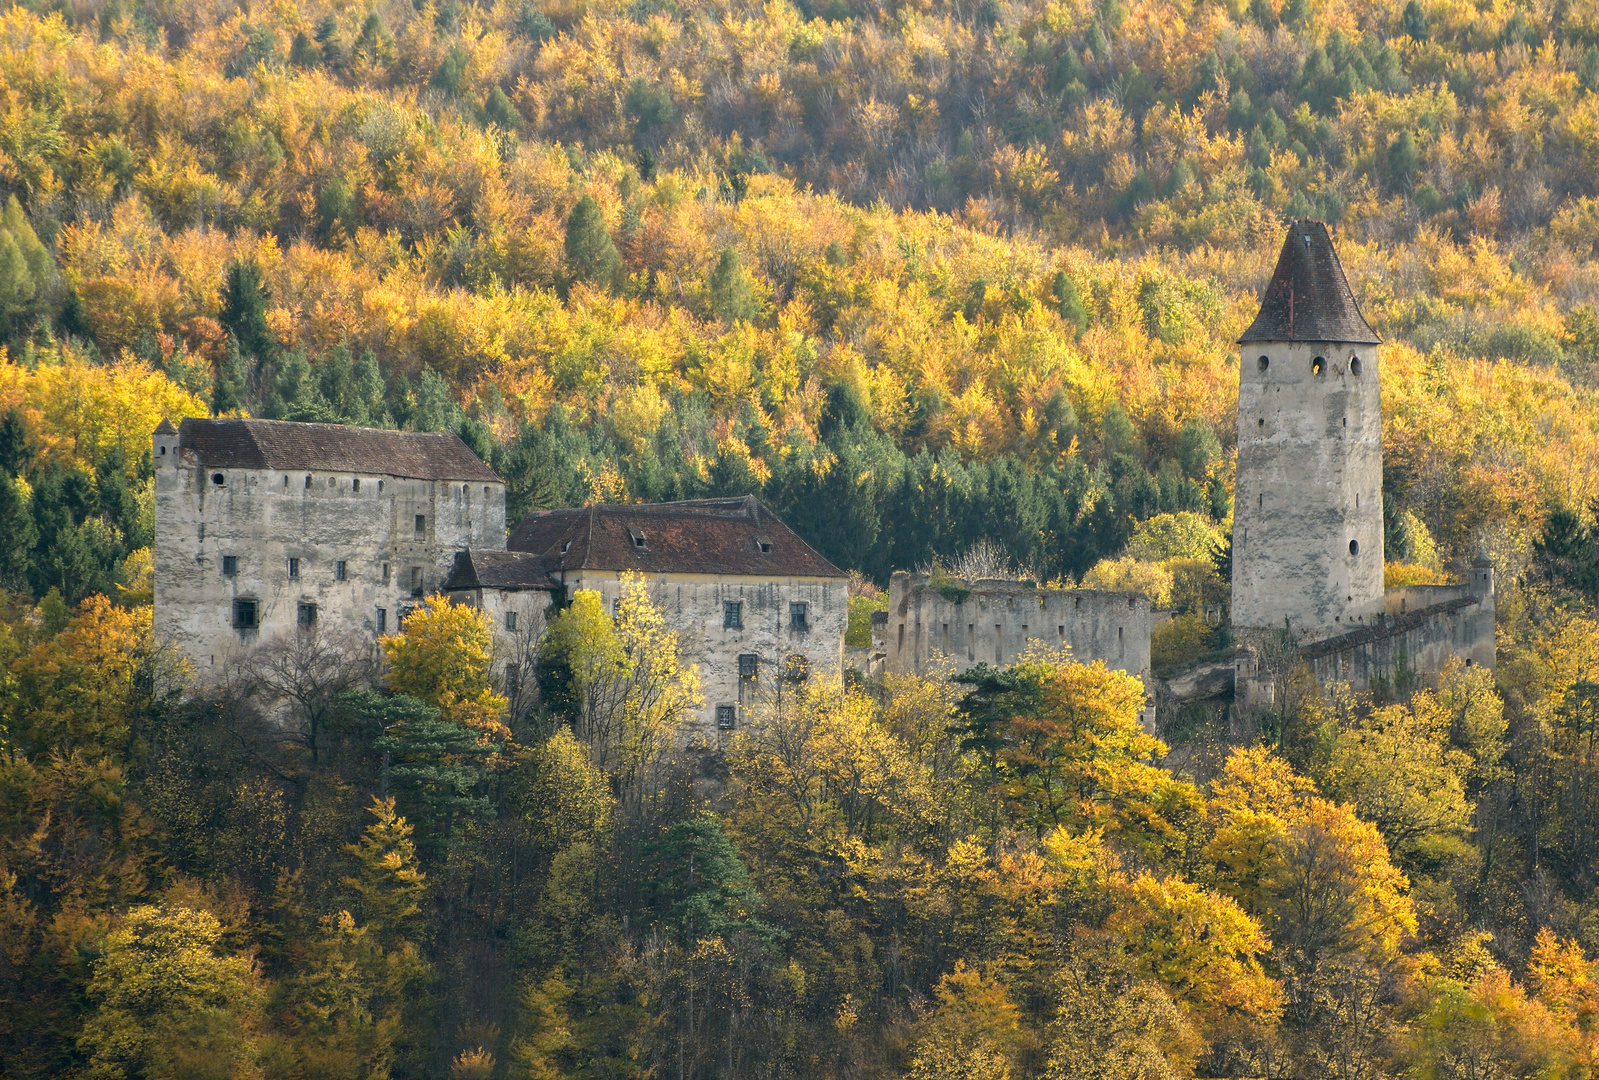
702 536
165 428
1309 298
285 444
498 570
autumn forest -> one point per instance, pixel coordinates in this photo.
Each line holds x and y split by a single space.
926 276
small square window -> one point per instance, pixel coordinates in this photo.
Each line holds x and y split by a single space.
340 573
510 620
383 620
732 615
726 717
798 616
294 568
764 546
218 479
230 566
416 581
307 617
749 666
639 539
421 524
244 615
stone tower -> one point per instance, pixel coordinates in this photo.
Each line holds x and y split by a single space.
1307 518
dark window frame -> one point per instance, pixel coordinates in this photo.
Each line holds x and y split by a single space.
305 615
732 614
726 717
243 621
799 615
230 566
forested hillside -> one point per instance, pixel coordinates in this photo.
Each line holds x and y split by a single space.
919 276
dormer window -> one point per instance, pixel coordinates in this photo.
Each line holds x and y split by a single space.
566 547
763 545
639 539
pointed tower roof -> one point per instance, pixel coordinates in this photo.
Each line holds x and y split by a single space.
165 428
1309 298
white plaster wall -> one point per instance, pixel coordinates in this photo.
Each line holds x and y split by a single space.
1309 481
265 517
692 605
994 623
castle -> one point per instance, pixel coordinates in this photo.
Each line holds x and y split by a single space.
266 528
1307 561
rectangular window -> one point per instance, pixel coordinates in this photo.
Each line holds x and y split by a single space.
511 680
230 566
971 641
294 568
385 573
307 616
339 571
416 581
797 616
510 620
383 620
726 717
749 666
999 644
355 485
421 524
732 616
244 615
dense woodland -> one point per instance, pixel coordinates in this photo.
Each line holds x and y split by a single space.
945 285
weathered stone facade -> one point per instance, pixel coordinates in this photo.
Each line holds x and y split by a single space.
992 621
264 527
754 605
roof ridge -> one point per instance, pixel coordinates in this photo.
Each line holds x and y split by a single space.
1308 297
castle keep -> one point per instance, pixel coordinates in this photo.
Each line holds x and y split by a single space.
1307 517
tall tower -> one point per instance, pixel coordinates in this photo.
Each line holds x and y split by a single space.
1307 517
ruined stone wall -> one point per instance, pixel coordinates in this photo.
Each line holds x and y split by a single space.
1307 518
694 606
993 622
263 518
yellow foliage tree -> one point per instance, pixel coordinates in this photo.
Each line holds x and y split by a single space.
444 655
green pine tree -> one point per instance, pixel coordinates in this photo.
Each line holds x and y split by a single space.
733 296
591 255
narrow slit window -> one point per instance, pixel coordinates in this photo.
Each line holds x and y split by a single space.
341 571
294 568
416 581
421 524
383 620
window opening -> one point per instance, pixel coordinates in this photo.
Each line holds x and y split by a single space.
1263 363
294 568
355 485
732 615
340 573
218 479
244 615
512 678
307 617
1318 366
230 566
726 717
380 487
797 668
749 666
999 644
797 616
308 483
383 620
639 540
385 573
1354 547
1354 365
510 620
765 546
902 636
416 581
421 524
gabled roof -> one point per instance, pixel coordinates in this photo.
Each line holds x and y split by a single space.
510 570
1308 298
287 444
737 537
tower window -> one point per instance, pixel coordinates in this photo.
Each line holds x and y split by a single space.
355 485
1263 363
1354 365
218 479
421 524
416 581
308 483
385 573
341 571
383 620
1354 547
294 568
1318 366
244 615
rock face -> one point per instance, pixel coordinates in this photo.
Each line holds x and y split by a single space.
1307 524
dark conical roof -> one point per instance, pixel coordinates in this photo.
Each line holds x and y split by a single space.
1309 298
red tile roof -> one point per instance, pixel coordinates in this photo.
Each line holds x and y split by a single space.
1308 298
738 537
286 444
